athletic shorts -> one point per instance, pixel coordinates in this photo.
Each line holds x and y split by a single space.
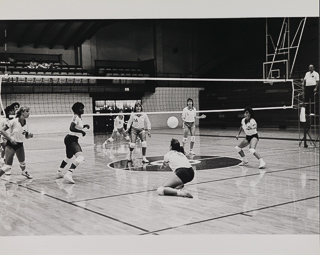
189 124
72 145
15 147
185 174
249 137
136 131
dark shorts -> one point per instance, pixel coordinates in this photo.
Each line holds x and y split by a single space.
185 174
249 137
309 93
72 145
15 147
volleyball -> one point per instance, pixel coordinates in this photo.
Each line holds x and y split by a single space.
172 122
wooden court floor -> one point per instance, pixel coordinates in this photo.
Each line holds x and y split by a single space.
111 198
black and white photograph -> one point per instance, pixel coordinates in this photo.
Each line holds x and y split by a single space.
159 127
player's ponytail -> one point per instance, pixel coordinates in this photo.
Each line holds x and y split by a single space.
175 145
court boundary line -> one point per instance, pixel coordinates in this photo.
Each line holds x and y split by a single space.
231 215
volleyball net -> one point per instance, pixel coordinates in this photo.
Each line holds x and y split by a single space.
103 97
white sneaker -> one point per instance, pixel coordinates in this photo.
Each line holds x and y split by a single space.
68 177
8 172
26 174
192 152
244 162
185 193
262 164
144 160
59 174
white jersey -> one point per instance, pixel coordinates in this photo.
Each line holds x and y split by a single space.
79 125
16 130
118 123
3 123
189 115
311 78
176 160
252 124
139 121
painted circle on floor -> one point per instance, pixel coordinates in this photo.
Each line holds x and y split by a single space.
199 162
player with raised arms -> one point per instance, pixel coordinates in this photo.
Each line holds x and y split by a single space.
189 115
137 122
16 131
73 147
183 171
118 128
249 126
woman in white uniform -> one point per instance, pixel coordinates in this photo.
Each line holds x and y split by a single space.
15 132
182 169
249 126
137 123
189 115
118 128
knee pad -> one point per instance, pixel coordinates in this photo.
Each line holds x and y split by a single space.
78 160
184 139
193 138
6 168
66 160
160 191
238 149
132 145
252 150
144 144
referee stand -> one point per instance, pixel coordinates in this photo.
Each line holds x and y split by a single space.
309 119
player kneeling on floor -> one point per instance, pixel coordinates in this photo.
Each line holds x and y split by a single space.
183 171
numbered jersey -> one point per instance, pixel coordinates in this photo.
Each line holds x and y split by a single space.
139 121
118 123
249 128
79 125
16 130
189 115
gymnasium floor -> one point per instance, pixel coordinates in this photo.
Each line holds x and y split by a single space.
111 197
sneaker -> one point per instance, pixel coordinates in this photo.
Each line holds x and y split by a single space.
262 165
144 160
8 172
26 174
59 174
244 162
186 194
68 177
192 152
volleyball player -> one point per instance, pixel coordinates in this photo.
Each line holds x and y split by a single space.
249 126
118 128
73 147
15 106
188 117
15 131
183 171
137 122
8 111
